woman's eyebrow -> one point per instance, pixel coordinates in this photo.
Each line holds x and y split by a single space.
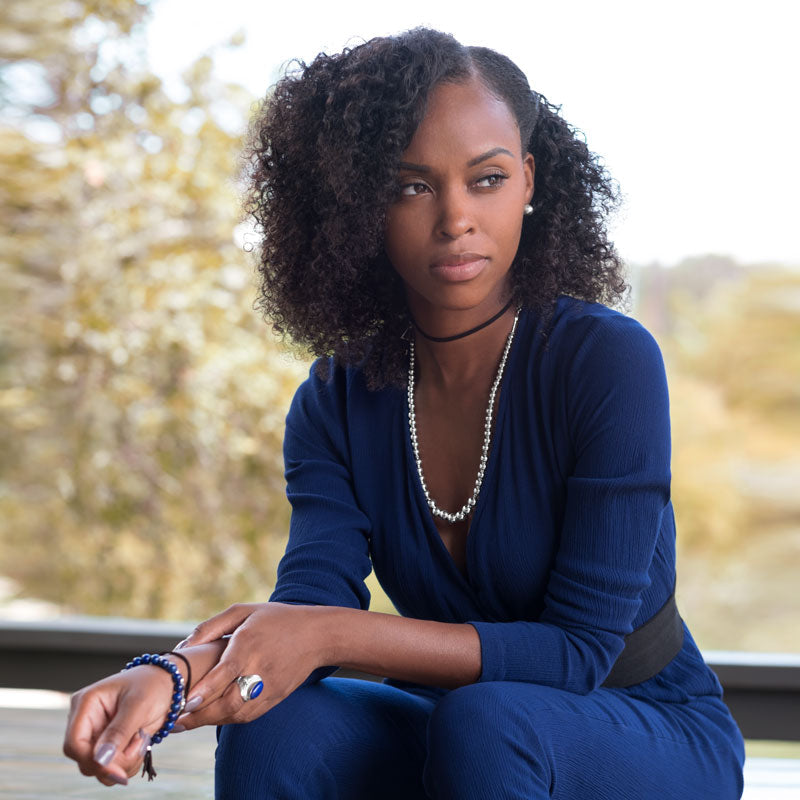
407 165
489 154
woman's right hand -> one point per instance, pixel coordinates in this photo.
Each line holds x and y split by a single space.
106 718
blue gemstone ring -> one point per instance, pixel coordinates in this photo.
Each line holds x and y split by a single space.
250 686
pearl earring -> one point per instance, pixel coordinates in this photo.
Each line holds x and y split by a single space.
528 209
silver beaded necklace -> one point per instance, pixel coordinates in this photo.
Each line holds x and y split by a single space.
487 434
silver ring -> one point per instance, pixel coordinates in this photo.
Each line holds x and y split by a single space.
250 686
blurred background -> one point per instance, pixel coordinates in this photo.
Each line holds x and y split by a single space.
142 399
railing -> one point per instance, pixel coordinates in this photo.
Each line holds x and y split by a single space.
761 690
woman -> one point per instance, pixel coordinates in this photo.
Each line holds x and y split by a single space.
485 432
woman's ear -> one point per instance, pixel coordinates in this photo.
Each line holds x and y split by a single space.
529 167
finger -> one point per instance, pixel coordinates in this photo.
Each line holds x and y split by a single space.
112 780
78 736
219 625
226 709
89 714
214 684
113 774
116 744
132 757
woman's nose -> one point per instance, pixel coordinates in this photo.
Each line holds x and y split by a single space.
455 215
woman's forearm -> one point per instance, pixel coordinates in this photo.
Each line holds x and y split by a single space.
285 643
421 651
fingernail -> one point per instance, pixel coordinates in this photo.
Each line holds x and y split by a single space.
181 644
105 753
178 728
118 780
194 703
146 741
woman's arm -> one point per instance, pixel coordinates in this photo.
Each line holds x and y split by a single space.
284 644
432 653
106 718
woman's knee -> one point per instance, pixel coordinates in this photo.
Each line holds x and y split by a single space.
338 738
481 744
269 757
468 715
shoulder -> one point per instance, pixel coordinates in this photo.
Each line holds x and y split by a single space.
611 371
324 393
582 327
333 400
587 342
589 356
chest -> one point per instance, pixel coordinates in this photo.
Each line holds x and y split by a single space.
505 548
453 438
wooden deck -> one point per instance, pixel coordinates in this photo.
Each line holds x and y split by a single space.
33 768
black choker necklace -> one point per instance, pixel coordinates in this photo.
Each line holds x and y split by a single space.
466 333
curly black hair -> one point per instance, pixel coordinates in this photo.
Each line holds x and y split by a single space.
322 171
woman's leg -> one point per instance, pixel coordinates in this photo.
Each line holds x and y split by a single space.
498 741
340 738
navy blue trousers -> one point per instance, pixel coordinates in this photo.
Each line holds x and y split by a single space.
354 740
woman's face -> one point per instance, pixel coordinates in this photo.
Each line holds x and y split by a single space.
454 228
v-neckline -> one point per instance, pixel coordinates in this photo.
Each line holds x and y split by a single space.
411 464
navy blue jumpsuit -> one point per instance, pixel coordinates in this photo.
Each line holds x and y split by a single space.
571 546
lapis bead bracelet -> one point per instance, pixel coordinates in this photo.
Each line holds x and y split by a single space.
178 702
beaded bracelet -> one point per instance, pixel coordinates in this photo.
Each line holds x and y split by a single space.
178 702
185 660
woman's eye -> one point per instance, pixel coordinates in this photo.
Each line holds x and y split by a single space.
413 189
490 181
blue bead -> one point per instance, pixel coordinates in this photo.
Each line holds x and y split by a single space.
169 725
175 707
172 716
172 667
129 665
136 661
146 658
156 739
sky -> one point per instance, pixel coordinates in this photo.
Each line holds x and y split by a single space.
693 106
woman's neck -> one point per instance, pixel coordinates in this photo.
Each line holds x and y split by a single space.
467 363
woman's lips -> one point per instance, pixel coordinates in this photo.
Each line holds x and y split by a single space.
459 268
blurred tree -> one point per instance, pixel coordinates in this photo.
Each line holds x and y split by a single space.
734 358
142 399
731 340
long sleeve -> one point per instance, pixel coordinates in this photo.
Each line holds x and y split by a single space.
614 395
327 556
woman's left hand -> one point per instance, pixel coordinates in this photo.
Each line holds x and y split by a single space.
281 643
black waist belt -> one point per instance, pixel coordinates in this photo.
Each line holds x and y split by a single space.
649 648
